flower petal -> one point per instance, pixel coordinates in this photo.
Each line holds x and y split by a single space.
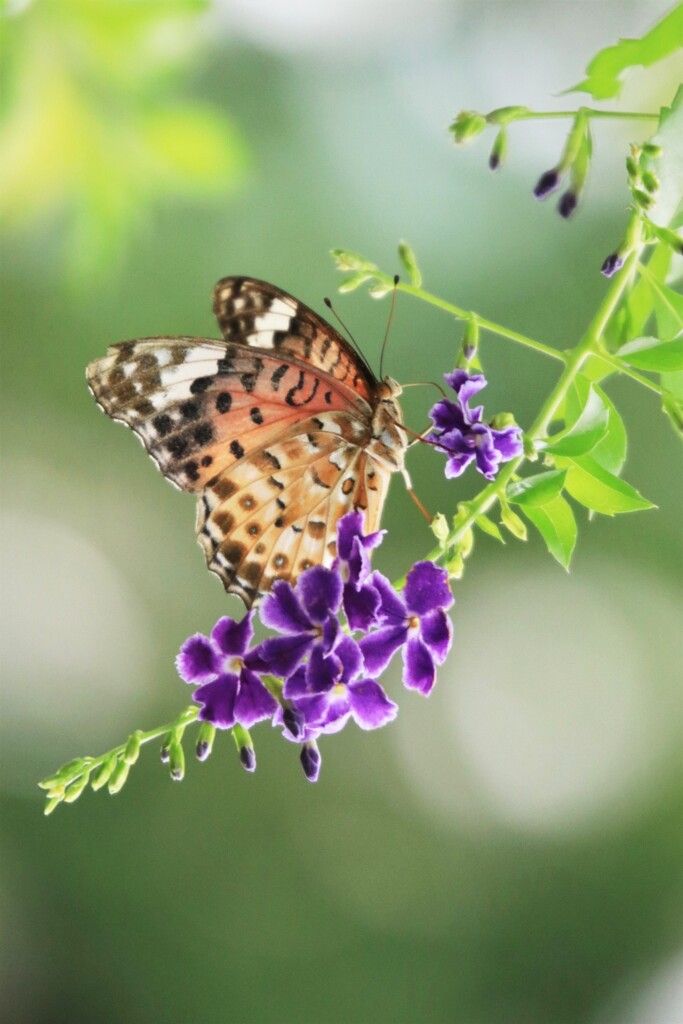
427 588
508 443
419 672
486 455
254 703
322 670
218 701
446 415
197 660
283 654
392 608
349 527
378 648
232 638
320 591
465 385
281 610
349 654
370 706
437 632
361 606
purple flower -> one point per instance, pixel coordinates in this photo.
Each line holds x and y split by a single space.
307 617
416 620
230 689
325 709
462 433
360 599
311 760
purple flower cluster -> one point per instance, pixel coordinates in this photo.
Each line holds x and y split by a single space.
314 676
464 436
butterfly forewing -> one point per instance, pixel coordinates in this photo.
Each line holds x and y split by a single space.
274 427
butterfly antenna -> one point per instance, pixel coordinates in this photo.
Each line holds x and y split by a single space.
386 333
328 303
425 384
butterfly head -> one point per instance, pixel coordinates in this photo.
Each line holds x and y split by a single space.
388 388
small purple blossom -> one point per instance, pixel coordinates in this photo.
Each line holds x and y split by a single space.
311 760
230 689
415 620
613 263
548 183
360 599
306 616
352 694
462 433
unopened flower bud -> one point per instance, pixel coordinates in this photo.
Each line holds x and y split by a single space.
642 198
176 759
439 525
652 150
164 753
132 751
467 125
567 204
54 801
612 264
103 773
293 722
650 181
548 183
632 168
311 760
205 738
513 522
503 115
118 776
498 150
248 759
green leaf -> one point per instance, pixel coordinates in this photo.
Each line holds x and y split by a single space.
603 74
598 489
589 428
487 525
672 402
407 257
538 489
610 451
668 166
556 524
668 310
653 354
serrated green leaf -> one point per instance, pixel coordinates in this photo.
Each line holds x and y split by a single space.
589 428
653 354
603 74
487 525
407 257
556 524
537 489
599 490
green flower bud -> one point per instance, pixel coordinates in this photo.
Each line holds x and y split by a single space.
409 261
176 760
502 420
354 281
642 198
118 776
102 774
466 542
652 150
439 527
467 125
504 115
76 788
347 260
650 181
132 750
498 150
632 168
53 802
455 566
512 521
205 738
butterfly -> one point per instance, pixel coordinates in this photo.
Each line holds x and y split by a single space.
280 428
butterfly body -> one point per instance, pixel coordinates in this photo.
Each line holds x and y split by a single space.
280 429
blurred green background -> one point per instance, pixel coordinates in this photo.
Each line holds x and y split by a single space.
508 852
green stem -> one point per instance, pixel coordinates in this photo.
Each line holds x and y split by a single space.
590 112
588 345
464 314
621 367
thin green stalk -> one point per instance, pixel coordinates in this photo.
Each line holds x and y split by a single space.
464 314
621 367
588 345
631 115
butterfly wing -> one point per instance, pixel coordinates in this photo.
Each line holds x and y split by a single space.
259 315
270 427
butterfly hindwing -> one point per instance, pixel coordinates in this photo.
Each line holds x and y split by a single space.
279 429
